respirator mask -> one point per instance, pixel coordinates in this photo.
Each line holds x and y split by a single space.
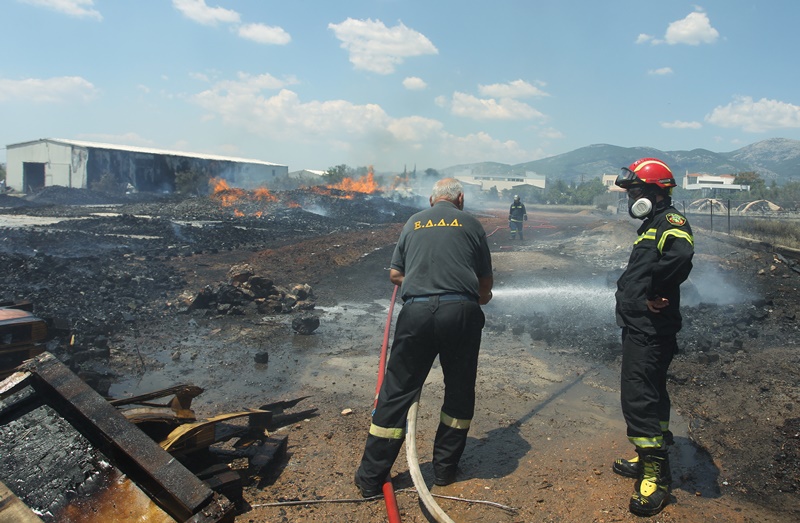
639 205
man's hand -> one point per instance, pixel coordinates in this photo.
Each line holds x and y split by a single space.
657 304
525 217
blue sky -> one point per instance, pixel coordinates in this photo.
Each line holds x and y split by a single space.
393 83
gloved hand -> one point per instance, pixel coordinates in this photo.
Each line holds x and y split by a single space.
509 217
525 217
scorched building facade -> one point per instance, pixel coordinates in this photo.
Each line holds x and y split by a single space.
31 166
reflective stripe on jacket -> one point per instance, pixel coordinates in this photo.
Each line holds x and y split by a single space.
660 261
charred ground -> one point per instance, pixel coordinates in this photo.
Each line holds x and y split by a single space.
117 279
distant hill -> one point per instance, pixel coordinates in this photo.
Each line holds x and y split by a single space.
774 159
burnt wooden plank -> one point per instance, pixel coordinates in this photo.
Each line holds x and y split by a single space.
13 510
169 483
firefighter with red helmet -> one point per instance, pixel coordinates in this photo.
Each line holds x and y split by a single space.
648 311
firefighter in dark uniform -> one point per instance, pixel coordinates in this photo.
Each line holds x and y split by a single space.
516 215
444 269
648 310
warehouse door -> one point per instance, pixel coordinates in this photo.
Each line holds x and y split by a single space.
32 176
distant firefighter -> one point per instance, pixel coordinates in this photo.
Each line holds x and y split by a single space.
516 215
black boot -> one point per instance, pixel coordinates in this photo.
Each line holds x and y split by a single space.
653 490
447 450
630 468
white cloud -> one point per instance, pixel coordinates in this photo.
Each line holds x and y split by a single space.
49 90
415 128
515 89
198 11
756 117
678 124
258 105
551 134
249 85
695 29
377 48
471 106
264 34
661 71
242 104
480 146
412 83
77 8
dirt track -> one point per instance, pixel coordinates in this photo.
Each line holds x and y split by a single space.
548 425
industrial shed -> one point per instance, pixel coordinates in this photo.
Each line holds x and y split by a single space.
71 163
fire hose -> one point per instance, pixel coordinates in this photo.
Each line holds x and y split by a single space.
389 498
413 465
411 443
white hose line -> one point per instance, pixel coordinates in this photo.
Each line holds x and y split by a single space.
413 465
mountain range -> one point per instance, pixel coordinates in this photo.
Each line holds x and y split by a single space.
776 159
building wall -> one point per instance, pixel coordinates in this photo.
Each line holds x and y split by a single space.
61 165
501 183
75 166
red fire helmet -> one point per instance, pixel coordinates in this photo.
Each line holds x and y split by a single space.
646 170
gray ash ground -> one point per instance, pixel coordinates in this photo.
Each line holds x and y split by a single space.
102 268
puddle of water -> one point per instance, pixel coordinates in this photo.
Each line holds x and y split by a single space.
340 357
15 221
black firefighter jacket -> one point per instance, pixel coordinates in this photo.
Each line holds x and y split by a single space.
660 261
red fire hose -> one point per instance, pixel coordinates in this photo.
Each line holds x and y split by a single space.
389 498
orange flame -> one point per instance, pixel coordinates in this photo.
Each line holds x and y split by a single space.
227 195
264 195
365 184
230 196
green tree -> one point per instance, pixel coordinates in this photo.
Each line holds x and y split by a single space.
336 174
758 187
558 193
432 173
2 171
586 192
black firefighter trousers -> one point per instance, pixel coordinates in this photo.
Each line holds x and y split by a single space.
425 329
643 389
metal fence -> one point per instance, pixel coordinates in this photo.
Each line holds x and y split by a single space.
729 215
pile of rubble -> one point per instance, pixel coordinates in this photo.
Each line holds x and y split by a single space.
105 264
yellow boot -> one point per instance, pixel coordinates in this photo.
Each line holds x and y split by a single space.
653 490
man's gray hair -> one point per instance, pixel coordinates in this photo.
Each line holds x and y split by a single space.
448 188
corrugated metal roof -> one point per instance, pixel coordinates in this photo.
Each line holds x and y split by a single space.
146 150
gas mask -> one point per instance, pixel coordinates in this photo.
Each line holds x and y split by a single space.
639 203
640 208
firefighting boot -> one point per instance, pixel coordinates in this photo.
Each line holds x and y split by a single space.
632 468
652 492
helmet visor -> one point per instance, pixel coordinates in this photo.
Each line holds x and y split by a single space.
626 178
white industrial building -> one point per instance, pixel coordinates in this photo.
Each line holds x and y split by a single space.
77 164
697 181
504 182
